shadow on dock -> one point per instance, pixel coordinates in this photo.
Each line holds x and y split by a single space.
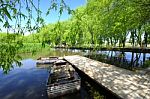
107 94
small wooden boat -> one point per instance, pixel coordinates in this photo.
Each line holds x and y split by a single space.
46 60
60 62
62 80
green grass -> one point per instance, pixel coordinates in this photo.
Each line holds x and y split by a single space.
32 47
146 64
44 52
33 50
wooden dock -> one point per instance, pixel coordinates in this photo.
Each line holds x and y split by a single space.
124 83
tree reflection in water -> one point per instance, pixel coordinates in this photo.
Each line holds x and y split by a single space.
127 60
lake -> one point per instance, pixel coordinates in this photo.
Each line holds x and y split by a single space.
29 81
127 60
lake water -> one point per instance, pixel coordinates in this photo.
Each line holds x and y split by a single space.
29 81
127 60
25 82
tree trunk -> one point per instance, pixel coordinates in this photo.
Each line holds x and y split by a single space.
132 37
145 38
92 36
139 36
111 41
124 41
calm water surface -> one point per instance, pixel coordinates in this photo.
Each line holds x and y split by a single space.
127 60
26 82
29 81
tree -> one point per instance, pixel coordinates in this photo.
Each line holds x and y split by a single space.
12 10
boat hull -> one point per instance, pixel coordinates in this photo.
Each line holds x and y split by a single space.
63 89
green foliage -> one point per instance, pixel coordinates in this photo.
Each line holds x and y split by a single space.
12 44
146 63
100 23
8 51
103 22
30 48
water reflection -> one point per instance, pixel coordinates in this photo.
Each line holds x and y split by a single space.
27 82
128 60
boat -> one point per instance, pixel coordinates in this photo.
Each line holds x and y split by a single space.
63 79
60 62
46 60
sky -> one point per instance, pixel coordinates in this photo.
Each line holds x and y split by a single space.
54 15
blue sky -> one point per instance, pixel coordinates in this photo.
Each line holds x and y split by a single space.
54 15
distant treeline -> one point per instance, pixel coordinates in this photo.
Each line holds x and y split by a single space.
101 23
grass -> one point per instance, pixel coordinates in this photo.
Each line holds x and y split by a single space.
146 63
42 53
33 50
32 47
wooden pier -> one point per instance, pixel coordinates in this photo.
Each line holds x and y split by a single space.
124 83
